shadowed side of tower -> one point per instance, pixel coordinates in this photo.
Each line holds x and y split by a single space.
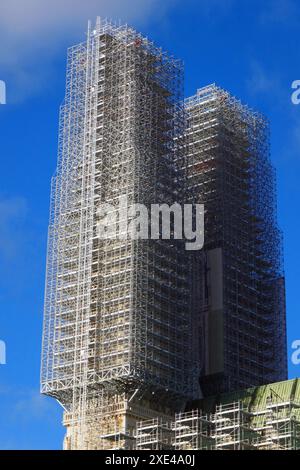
242 300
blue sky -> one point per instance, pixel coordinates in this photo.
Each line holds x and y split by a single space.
249 47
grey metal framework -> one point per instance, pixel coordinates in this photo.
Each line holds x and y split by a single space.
130 323
118 321
154 434
236 426
232 427
242 304
280 428
193 431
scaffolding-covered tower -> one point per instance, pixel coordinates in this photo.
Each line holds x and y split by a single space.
241 283
118 322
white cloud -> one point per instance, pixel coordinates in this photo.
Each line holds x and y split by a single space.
27 404
32 33
277 92
262 81
32 406
27 419
12 215
280 12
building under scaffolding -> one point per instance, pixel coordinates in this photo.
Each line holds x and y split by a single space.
261 418
130 323
242 300
118 322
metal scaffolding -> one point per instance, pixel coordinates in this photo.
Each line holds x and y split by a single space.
118 322
193 431
280 429
125 318
155 434
242 289
261 418
232 428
